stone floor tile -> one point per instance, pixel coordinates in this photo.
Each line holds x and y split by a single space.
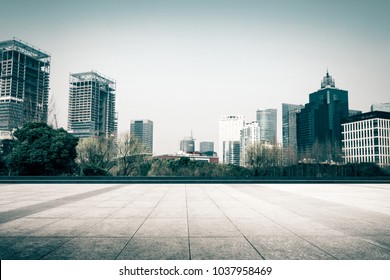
157 248
90 248
230 248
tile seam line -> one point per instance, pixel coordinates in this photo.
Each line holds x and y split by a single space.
323 223
131 238
250 243
284 226
22 212
70 238
188 225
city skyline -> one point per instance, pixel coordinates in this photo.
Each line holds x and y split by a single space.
192 63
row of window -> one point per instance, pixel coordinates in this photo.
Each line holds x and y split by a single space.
83 88
349 135
367 151
367 124
381 160
361 125
367 142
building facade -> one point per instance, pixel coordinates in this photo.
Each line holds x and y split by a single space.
24 84
366 138
92 105
320 120
267 120
192 157
143 131
384 107
206 147
354 112
229 137
289 125
250 134
187 145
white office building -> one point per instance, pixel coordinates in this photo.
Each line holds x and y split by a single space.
267 120
229 139
366 138
250 134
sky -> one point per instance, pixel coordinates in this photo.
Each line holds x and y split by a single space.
182 64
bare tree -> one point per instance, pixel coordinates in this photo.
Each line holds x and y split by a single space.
97 151
52 112
263 158
131 154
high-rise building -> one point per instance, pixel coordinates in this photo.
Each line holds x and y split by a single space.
143 131
289 125
24 84
205 147
229 138
384 107
366 138
92 105
320 120
354 112
267 120
250 134
187 145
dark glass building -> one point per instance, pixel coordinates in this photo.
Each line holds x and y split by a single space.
289 130
143 130
320 120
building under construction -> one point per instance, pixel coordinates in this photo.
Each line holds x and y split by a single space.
92 105
24 84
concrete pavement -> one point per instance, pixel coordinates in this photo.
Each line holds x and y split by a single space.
216 221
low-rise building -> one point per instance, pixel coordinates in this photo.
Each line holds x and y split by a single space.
366 138
196 157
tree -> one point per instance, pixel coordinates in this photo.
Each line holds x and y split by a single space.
97 153
365 169
263 159
160 167
131 155
41 150
93 170
52 111
6 147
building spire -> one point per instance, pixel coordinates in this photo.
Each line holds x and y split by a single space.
327 81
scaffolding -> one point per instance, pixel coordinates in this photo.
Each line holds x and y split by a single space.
92 105
24 84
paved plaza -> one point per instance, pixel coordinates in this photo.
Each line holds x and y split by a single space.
195 221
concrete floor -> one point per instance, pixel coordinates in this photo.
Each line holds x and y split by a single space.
273 221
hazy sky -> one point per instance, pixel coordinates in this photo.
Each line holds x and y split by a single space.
183 63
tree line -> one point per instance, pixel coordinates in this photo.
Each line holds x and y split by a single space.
39 149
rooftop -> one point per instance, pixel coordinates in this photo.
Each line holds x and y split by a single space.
367 116
92 75
23 47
